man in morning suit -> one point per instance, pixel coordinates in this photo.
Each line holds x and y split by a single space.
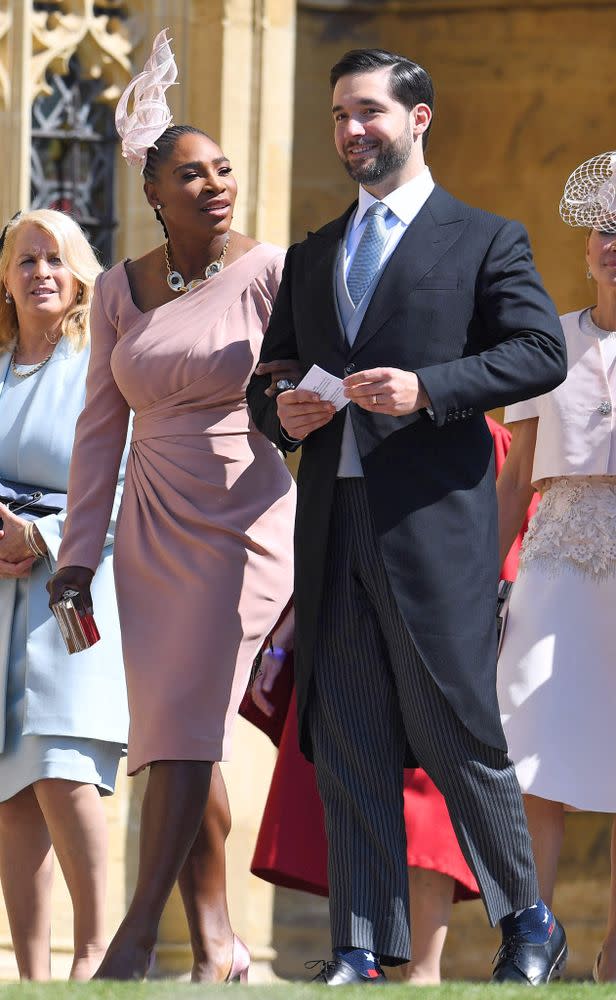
432 312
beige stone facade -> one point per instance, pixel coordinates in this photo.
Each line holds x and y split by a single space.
524 93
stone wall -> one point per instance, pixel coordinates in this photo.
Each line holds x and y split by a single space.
524 92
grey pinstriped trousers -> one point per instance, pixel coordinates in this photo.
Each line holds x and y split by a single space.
371 692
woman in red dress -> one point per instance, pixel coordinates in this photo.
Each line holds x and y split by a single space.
291 848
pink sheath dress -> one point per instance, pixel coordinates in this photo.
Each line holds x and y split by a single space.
203 553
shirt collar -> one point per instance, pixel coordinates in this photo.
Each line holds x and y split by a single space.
404 202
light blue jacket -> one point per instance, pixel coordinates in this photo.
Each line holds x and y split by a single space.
82 695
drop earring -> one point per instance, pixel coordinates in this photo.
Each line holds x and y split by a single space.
8 297
588 272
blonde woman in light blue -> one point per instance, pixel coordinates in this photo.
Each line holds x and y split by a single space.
64 719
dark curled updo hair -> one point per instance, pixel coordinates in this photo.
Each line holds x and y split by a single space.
163 149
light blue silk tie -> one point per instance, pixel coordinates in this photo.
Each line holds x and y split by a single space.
367 259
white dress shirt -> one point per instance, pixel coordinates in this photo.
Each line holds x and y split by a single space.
404 204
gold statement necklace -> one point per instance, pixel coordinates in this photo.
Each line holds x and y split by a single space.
176 281
31 370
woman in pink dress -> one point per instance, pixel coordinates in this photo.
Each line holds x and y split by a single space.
203 555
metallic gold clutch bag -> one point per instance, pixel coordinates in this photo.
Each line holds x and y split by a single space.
77 625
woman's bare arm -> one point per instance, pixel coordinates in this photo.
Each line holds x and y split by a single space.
513 486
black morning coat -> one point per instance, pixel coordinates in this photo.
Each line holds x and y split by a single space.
461 304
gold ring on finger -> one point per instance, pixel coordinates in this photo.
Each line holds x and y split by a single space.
375 400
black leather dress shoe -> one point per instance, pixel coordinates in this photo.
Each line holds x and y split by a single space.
340 973
518 961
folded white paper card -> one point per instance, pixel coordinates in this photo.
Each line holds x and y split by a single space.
328 386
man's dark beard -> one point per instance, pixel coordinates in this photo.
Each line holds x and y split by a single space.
388 159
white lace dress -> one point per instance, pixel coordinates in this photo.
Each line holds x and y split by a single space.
557 668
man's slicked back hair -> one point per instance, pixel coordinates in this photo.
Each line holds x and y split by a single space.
409 83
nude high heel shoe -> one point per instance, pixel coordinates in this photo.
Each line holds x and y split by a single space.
240 962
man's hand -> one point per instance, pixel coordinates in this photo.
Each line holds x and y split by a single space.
387 390
272 662
290 369
13 545
301 411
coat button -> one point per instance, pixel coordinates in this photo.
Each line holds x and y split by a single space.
605 407
349 369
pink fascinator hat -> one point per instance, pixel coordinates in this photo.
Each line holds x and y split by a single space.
150 116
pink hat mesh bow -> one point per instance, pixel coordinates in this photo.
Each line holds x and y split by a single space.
150 116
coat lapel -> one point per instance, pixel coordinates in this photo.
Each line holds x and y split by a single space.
5 360
429 236
54 384
326 245
8 592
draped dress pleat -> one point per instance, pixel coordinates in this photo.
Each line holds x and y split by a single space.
203 553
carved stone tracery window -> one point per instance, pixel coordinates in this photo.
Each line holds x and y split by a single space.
102 32
73 155
80 64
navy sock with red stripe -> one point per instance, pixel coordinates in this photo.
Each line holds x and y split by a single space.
365 963
535 924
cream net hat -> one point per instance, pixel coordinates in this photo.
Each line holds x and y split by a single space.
150 116
589 198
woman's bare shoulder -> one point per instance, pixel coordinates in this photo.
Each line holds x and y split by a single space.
238 245
147 280
145 267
